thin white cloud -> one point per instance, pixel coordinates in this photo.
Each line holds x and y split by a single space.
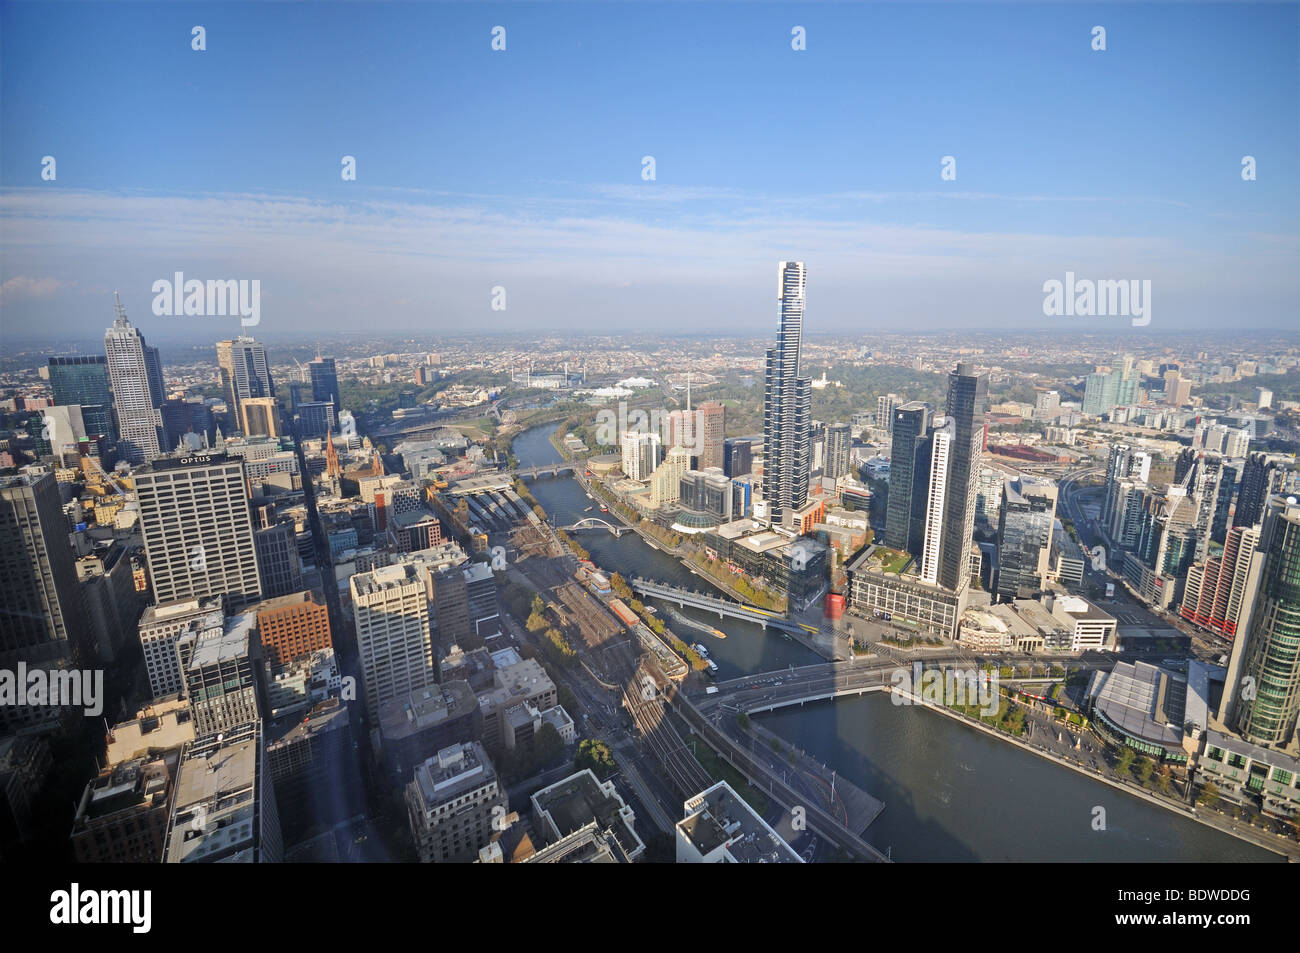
22 286
388 259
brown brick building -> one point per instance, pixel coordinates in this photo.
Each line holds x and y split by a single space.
292 626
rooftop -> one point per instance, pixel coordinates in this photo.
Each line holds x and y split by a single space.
718 817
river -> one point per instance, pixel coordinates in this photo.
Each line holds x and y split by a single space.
951 792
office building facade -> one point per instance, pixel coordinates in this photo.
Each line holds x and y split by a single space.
43 622
244 375
198 529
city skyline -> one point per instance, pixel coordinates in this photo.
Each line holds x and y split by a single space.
405 455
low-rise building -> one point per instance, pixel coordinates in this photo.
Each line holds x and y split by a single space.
720 828
224 808
122 817
452 804
582 821
1244 771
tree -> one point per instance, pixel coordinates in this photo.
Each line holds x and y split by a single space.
595 755
1209 795
1124 764
1145 770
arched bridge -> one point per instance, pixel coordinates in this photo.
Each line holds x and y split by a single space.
592 522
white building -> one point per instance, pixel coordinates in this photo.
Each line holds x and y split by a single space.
720 828
391 608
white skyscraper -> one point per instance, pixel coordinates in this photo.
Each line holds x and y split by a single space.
198 529
135 375
391 608
642 453
940 454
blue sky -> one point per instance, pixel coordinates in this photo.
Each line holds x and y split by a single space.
522 168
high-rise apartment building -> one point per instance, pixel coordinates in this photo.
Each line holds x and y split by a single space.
1266 659
1125 463
1258 482
1047 406
787 402
666 481
198 529
244 374
886 404
1025 537
390 606
909 474
967 407
1106 390
43 622
1126 499
936 497
642 453
838 445
1217 591
135 375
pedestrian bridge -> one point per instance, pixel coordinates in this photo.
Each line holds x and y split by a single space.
592 522
725 608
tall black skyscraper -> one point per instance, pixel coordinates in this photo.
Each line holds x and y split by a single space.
737 456
1256 484
787 402
325 382
967 406
909 476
